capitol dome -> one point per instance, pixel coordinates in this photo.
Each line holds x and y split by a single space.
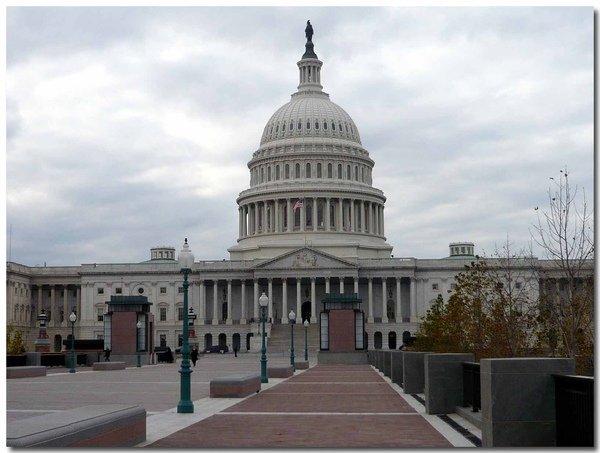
311 180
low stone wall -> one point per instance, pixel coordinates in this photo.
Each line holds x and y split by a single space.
15 372
108 366
280 372
518 401
444 382
413 369
397 360
110 425
387 363
237 386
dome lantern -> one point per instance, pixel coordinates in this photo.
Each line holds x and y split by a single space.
310 65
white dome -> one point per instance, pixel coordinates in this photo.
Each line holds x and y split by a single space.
310 114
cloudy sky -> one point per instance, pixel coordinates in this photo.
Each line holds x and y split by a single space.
129 128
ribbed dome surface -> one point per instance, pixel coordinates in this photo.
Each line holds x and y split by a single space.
310 114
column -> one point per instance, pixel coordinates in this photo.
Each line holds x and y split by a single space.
340 214
371 218
356 285
240 232
327 285
255 218
370 301
229 314
270 312
303 216
53 312
398 301
341 285
264 217
78 299
276 215
284 304
326 215
202 314
298 295
314 214
66 311
376 218
256 296
382 222
243 316
363 225
290 220
39 302
384 317
313 301
413 300
244 221
215 320
352 218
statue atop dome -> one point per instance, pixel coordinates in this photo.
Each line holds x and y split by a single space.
310 52
308 31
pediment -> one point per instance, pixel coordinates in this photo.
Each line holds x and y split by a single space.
306 258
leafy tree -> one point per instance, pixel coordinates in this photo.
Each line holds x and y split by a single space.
15 344
565 234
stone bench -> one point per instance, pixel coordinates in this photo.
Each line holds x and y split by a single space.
14 372
109 425
280 371
237 386
107 366
302 365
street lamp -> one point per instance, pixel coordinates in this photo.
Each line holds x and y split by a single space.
263 301
292 317
72 318
137 342
306 324
185 405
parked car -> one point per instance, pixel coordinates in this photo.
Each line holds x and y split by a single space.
216 348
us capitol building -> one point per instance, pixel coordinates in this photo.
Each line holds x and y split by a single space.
312 222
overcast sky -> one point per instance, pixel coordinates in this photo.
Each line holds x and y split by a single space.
129 128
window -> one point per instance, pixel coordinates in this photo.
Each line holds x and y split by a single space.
307 125
308 172
262 174
283 127
163 340
100 314
180 290
291 125
118 290
277 173
348 173
316 125
434 286
180 313
140 290
277 128
339 172
297 171
287 171
268 173
163 290
100 290
329 171
163 313
319 171
355 173
340 127
332 126
299 125
325 125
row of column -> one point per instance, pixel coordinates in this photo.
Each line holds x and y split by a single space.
56 302
298 306
279 216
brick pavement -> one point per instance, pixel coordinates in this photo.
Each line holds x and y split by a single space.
332 406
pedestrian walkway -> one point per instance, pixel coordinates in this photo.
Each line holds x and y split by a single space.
327 406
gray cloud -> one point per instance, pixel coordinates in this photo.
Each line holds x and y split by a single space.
131 127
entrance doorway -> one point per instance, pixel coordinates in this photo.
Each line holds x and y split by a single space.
222 339
306 312
392 340
236 341
57 343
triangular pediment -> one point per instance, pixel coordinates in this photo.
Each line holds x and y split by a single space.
306 258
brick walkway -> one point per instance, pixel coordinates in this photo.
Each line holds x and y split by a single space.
327 406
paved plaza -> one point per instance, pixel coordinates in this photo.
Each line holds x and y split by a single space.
346 406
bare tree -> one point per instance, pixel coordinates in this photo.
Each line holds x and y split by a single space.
565 234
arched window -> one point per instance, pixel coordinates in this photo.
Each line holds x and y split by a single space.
325 125
207 341
319 170
262 174
308 172
283 127
316 124
299 125
339 172
362 174
348 173
307 124
269 173
340 126
287 171
277 128
377 340
329 171
346 128
333 126
297 171
355 173
291 125
392 340
277 173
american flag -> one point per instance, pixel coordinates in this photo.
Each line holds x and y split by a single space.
299 204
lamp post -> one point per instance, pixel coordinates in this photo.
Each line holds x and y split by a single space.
306 324
185 405
72 318
292 318
263 301
137 342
